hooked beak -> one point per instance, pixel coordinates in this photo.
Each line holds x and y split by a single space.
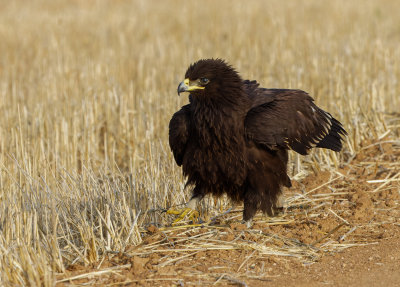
186 86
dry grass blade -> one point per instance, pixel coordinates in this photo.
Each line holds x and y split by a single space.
95 273
178 258
386 182
329 233
231 280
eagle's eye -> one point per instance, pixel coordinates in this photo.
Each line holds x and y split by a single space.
204 81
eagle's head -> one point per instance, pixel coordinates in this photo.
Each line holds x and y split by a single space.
210 78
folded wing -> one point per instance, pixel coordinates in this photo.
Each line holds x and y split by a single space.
179 128
289 119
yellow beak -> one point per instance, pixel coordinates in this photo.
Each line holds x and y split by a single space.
188 86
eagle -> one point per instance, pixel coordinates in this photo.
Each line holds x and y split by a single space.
233 137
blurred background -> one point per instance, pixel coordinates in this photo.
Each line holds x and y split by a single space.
87 89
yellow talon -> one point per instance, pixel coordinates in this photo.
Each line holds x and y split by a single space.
192 214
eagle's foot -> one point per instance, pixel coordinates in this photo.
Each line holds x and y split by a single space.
191 214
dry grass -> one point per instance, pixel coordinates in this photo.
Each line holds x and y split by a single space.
87 89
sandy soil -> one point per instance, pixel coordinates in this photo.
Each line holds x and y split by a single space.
347 233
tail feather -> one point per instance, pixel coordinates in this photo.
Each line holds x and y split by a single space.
333 140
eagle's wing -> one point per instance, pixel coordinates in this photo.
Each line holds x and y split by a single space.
289 119
179 128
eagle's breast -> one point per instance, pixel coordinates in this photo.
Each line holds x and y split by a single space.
217 151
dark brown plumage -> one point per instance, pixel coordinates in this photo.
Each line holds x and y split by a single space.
233 136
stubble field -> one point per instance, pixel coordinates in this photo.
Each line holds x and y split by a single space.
87 89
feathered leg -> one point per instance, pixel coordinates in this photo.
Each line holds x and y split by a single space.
250 203
280 204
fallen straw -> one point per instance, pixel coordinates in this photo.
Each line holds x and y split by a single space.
329 233
393 178
95 273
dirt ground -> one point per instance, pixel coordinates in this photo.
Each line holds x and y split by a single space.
340 228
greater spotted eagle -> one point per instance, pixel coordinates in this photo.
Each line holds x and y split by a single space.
233 137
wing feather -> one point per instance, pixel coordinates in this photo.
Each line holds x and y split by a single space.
179 132
289 119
